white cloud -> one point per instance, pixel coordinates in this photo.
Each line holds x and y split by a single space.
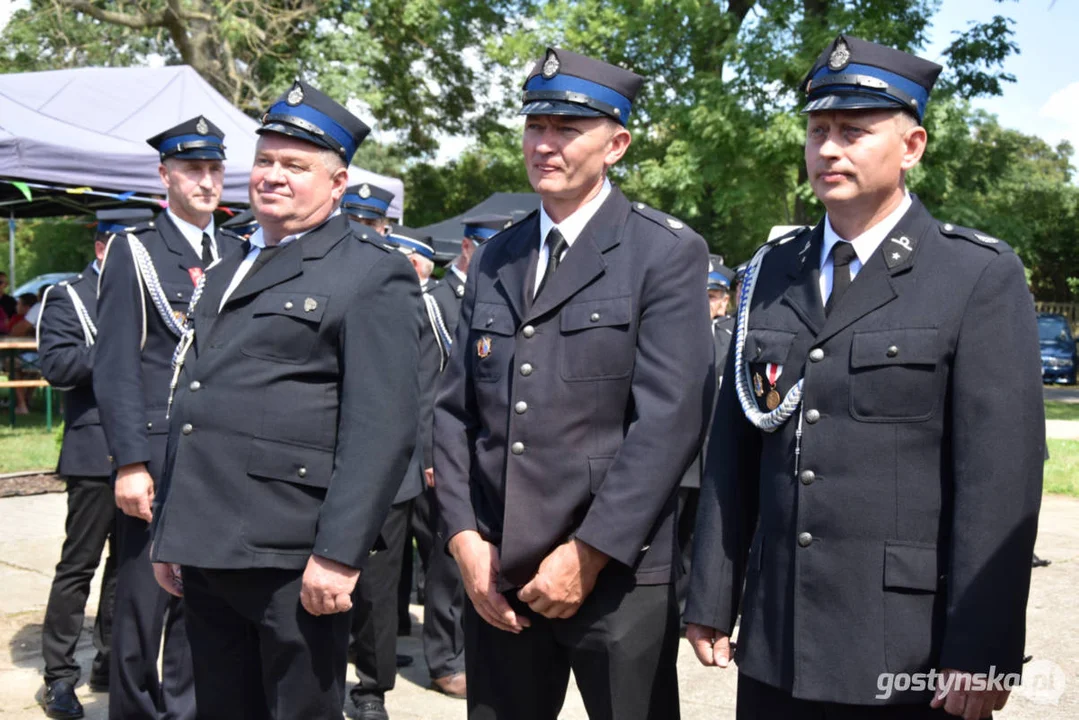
1061 111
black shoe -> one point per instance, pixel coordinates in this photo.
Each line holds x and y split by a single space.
99 682
369 707
404 661
59 701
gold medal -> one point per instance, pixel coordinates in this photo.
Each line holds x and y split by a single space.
772 401
758 384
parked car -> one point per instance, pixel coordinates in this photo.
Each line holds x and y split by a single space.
1058 349
35 285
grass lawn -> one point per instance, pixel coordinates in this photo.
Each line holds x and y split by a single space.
29 446
1055 410
1062 470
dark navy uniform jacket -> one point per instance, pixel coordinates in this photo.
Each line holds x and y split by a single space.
135 346
67 362
297 408
903 543
722 328
449 292
577 415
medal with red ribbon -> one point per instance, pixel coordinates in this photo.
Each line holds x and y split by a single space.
773 371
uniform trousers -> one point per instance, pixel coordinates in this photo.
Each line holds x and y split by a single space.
142 612
621 646
91 515
258 653
760 701
444 594
688 498
374 608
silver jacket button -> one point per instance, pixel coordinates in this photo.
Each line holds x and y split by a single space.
187 428
526 369
517 448
594 317
521 407
812 416
528 331
892 351
807 477
194 386
805 539
302 472
288 305
816 354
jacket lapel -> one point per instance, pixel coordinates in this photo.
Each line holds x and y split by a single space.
518 253
218 279
584 262
176 242
803 292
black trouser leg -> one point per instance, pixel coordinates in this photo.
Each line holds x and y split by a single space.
374 608
139 618
89 524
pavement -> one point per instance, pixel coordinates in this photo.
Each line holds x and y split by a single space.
32 528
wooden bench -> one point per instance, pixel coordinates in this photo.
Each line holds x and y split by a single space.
11 347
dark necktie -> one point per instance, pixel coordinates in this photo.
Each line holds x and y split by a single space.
842 255
265 255
557 244
207 250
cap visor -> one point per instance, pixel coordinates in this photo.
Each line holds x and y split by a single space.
295 132
362 212
199 154
851 101
557 107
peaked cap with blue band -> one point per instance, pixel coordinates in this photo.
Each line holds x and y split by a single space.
720 278
409 240
308 114
243 224
118 220
367 201
481 228
853 74
565 83
194 139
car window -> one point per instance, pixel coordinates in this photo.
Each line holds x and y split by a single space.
1053 327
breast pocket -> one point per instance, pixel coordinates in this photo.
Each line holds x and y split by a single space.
766 347
178 294
490 342
598 339
894 375
285 326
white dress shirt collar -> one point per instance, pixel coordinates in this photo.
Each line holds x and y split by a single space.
193 234
572 226
868 242
457 271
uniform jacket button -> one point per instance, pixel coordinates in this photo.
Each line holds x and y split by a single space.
892 351
594 317
816 354
302 472
517 448
195 385
528 331
288 305
521 407
812 416
187 428
805 539
807 477
526 369
149 425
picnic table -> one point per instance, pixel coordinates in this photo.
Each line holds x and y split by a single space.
10 347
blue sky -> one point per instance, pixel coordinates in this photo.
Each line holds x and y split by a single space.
1044 99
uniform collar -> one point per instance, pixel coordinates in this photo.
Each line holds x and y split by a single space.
457 271
258 241
191 233
572 226
867 243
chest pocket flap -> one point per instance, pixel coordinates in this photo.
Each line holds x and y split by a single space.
179 294
901 346
768 346
597 313
299 305
493 318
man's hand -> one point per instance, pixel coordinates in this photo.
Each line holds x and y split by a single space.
168 577
429 477
564 579
327 586
952 694
478 561
712 647
135 491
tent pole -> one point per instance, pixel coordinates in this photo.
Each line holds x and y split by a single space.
11 250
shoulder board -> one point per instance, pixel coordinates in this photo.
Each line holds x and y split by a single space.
515 226
671 223
78 278
141 227
432 283
375 239
975 236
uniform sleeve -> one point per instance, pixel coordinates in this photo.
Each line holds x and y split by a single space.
455 424
119 390
430 361
726 512
998 443
378 412
673 387
66 360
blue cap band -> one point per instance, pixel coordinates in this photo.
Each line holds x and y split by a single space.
417 247
570 83
480 233
204 142
904 85
370 202
110 227
320 120
715 278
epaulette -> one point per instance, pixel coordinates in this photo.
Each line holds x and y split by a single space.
672 224
791 234
513 226
432 283
140 227
978 238
372 237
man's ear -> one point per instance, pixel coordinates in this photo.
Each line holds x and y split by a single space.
617 145
163 173
340 183
914 142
